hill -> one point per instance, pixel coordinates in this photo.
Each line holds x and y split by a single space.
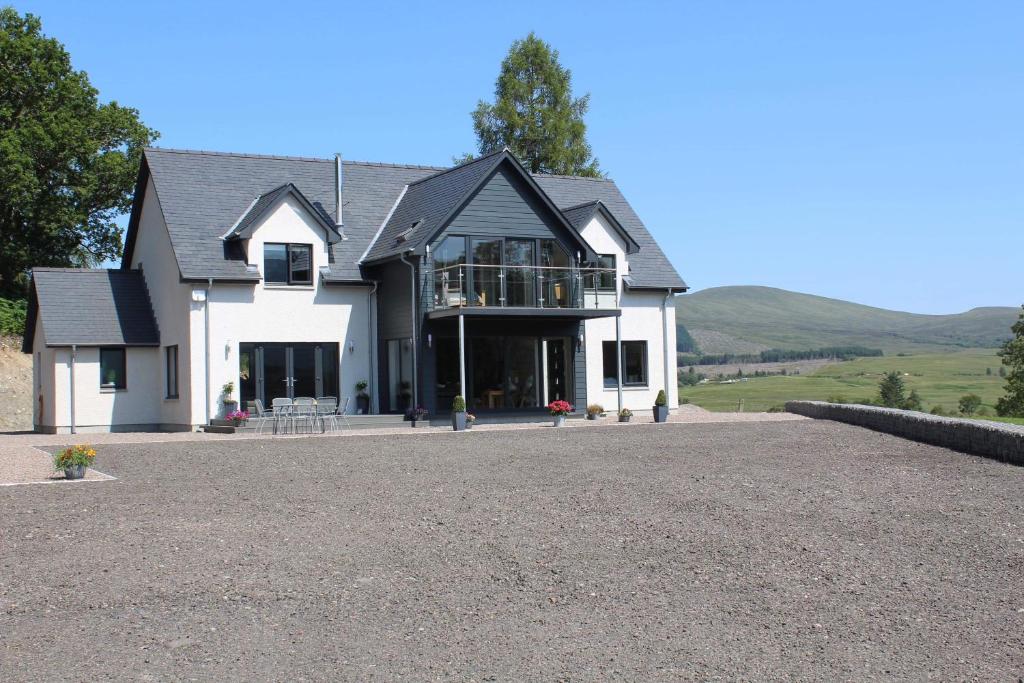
737 319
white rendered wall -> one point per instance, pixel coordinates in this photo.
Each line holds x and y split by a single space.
155 256
279 313
43 379
642 319
137 406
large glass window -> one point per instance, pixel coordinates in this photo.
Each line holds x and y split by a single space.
112 369
634 363
556 273
486 268
288 264
449 286
603 281
172 371
519 273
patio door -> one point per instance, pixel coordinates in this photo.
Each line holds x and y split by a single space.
556 368
269 370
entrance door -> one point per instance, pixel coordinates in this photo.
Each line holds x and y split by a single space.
557 370
268 371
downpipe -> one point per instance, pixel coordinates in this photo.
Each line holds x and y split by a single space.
668 351
415 350
370 293
206 326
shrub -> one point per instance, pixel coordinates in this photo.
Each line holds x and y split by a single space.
625 412
228 389
777 408
913 401
459 404
74 455
12 316
361 385
969 404
595 409
661 400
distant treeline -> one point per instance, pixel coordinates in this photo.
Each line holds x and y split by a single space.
778 355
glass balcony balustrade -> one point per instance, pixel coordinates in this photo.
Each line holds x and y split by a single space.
503 286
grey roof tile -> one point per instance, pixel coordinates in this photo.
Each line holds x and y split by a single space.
93 307
202 194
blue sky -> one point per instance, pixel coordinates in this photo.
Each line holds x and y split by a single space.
859 150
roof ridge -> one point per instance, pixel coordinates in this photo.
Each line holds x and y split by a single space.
458 166
284 157
70 269
572 177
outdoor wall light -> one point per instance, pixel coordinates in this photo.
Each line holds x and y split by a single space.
430 340
351 346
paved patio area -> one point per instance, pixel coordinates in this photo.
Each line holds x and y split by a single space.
807 550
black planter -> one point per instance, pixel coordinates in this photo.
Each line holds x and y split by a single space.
459 421
363 404
660 413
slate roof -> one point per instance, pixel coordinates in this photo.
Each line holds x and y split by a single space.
202 194
582 214
91 307
265 202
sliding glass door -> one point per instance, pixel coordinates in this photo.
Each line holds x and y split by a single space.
271 370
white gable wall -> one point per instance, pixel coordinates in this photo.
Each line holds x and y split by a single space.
641 320
279 313
155 256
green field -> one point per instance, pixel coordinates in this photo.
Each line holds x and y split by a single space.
939 378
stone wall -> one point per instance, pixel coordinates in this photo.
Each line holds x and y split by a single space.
1003 442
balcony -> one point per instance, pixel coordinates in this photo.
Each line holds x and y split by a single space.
536 290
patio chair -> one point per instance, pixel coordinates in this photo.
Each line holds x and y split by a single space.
282 413
327 412
342 412
303 412
262 415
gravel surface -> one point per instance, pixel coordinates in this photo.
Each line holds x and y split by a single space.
804 550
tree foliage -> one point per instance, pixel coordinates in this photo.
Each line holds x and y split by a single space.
969 404
534 113
67 163
12 316
1012 353
891 391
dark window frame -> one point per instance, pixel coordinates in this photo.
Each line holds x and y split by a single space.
291 281
610 382
123 383
603 282
171 371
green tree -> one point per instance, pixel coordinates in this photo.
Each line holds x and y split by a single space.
534 113
1012 353
913 401
969 404
67 163
891 390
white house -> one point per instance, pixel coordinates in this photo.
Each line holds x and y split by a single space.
301 277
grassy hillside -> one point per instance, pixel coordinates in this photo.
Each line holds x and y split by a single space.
940 379
725 319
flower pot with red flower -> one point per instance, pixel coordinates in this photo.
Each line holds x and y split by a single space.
559 409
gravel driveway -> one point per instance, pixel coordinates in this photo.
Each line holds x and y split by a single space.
809 550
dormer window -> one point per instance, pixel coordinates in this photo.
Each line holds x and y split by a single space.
288 264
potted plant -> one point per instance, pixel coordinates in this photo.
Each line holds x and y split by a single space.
230 404
404 394
470 419
416 414
239 417
459 413
73 460
558 410
594 411
625 414
362 398
660 407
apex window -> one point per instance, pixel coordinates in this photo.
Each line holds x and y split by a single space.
634 363
288 264
605 280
